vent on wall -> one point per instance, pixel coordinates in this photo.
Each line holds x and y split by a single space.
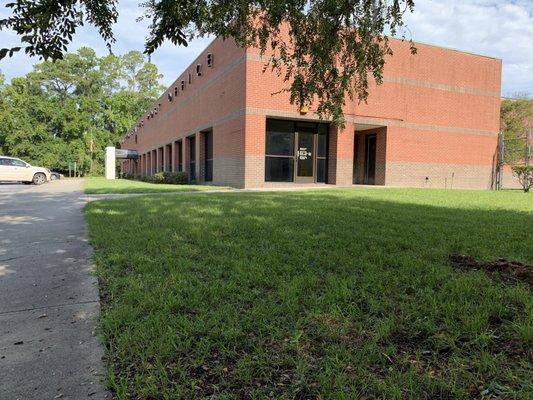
175 90
190 78
182 85
170 97
199 69
209 59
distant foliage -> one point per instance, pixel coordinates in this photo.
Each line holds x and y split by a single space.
173 178
325 50
516 122
69 110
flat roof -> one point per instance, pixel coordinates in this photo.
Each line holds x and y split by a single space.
446 48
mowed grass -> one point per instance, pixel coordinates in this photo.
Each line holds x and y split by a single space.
330 294
100 185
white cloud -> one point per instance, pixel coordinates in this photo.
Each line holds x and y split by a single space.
130 35
493 28
489 27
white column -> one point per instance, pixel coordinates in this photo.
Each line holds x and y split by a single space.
110 168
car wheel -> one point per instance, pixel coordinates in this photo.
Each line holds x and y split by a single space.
39 178
53 177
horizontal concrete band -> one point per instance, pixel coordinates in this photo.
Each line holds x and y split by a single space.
412 82
441 86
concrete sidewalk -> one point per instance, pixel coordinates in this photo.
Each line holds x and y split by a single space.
48 296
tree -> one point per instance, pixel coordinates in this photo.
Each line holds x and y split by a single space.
69 110
517 123
324 49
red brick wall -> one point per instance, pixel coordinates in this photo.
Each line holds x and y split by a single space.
213 100
436 115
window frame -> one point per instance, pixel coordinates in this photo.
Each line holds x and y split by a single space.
319 129
270 156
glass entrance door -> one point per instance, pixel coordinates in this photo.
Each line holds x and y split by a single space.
305 155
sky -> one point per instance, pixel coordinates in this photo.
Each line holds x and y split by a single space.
502 29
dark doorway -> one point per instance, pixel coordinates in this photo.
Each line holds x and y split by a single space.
178 157
208 148
192 158
370 159
168 157
305 151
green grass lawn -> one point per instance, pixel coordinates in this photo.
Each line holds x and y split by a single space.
100 185
324 294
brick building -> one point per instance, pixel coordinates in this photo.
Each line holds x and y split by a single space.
433 122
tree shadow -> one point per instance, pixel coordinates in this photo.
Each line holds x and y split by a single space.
360 277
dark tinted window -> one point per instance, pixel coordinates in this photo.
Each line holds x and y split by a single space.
279 169
305 126
280 138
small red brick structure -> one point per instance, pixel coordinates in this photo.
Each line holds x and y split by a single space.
434 122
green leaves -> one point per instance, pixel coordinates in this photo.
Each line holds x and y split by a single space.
516 117
68 110
326 50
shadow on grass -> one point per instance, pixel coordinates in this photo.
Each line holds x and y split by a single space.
98 185
338 294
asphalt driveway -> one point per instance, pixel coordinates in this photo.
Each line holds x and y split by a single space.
48 296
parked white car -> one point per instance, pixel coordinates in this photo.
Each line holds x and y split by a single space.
16 170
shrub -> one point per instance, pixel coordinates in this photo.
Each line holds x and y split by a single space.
524 174
176 178
158 177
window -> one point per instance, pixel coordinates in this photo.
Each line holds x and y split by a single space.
209 59
208 148
135 139
199 69
182 86
279 160
190 79
176 91
17 163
